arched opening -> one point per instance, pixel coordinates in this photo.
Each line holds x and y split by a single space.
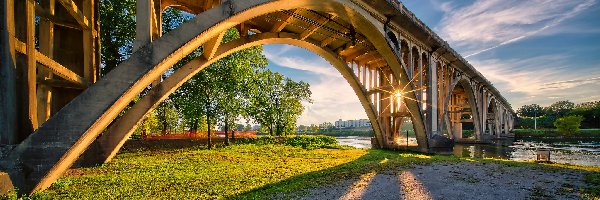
461 112
491 118
392 37
405 51
415 68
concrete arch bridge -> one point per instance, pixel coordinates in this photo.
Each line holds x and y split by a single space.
56 108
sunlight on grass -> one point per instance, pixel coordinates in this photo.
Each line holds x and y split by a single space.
415 156
383 161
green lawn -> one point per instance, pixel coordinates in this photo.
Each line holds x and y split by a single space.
236 172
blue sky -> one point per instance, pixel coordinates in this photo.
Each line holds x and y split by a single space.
534 51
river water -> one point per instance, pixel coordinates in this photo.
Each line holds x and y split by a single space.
577 152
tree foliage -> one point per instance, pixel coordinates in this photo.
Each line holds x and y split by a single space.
590 111
117 32
532 110
559 109
276 102
568 124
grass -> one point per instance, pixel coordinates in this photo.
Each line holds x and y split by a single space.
245 171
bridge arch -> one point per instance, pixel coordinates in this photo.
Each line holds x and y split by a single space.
46 154
111 141
492 116
460 90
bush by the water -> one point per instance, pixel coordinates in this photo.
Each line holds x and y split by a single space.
307 142
568 124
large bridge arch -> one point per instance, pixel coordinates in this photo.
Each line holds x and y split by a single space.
462 82
46 154
111 141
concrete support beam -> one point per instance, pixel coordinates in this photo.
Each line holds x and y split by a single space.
46 43
52 65
48 14
313 28
210 48
146 23
432 98
77 14
285 19
31 63
8 75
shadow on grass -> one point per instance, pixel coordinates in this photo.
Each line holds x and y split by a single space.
375 161
344 177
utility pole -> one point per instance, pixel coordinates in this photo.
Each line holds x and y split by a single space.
535 121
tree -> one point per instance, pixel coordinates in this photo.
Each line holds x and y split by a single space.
117 22
568 124
167 116
276 102
220 91
559 109
237 71
590 111
532 110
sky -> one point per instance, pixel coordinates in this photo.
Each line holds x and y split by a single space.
534 51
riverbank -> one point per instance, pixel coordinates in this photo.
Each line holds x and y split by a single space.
251 171
553 133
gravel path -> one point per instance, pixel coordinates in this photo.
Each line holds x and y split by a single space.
465 180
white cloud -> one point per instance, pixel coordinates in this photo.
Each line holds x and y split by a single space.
300 63
541 79
486 25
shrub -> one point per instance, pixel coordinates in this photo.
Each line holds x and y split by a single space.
312 142
568 124
307 142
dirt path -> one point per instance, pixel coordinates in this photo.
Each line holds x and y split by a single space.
465 180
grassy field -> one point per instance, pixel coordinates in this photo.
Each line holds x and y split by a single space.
245 171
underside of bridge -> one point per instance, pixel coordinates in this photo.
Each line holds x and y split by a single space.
56 108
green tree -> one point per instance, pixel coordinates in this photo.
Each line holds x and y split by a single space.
559 109
117 22
532 110
237 71
590 111
167 116
276 102
568 124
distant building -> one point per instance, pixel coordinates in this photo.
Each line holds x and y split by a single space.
357 123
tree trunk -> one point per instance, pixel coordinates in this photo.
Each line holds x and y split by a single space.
209 139
226 132
270 130
194 128
233 135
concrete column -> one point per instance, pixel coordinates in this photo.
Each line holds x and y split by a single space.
483 111
46 43
8 95
143 23
420 91
432 98
498 120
